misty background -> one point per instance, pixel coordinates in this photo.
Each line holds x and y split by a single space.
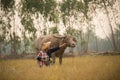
94 23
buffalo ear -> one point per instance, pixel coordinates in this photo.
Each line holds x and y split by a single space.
64 37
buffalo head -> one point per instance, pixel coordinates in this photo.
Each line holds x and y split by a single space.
70 40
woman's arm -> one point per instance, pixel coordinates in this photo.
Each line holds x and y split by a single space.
54 49
62 45
57 48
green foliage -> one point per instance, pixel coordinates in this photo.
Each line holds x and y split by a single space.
32 6
80 6
67 6
50 11
5 29
54 30
50 5
27 21
45 7
107 2
72 5
7 4
86 8
70 30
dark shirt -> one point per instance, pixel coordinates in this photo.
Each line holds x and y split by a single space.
50 51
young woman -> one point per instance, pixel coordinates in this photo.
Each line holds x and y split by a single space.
44 55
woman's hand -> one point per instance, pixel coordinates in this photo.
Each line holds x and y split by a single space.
62 45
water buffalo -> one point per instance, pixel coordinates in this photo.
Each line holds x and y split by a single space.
55 41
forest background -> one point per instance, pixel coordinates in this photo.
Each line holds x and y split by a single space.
95 24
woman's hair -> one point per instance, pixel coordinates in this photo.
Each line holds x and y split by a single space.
45 45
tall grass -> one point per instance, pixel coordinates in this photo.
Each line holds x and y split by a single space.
76 68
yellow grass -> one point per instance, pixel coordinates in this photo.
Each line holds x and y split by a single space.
77 68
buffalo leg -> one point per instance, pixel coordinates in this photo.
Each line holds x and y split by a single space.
60 59
53 58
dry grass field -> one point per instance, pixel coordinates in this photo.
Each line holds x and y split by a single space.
75 68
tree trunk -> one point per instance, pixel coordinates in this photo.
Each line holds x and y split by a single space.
14 33
88 36
96 44
106 35
112 33
114 18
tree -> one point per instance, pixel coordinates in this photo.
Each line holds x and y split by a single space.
105 4
111 27
44 7
8 7
117 36
69 8
72 9
54 30
35 8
